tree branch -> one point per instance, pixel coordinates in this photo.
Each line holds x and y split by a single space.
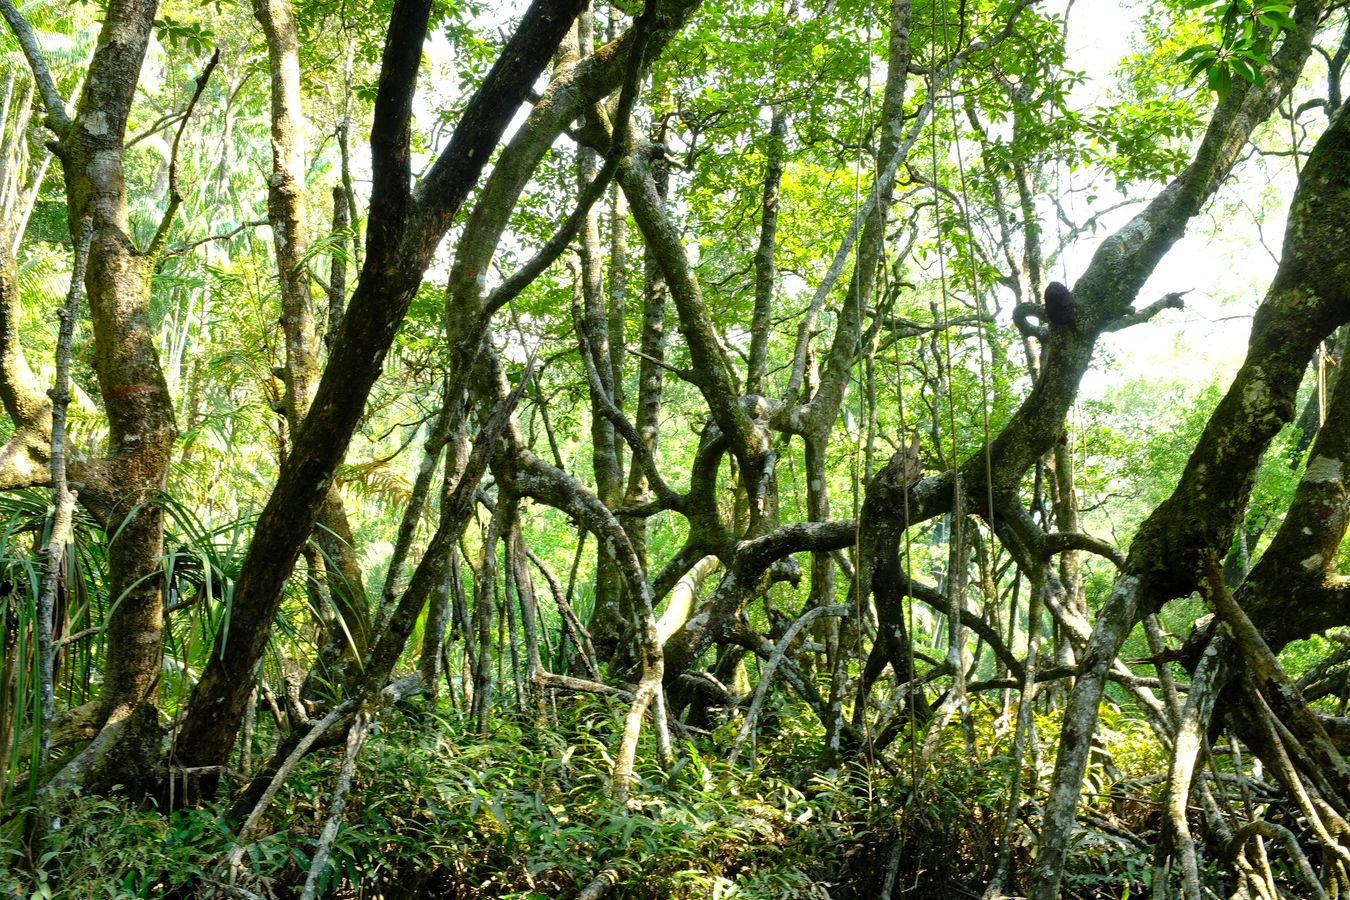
58 120
175 195
1175 300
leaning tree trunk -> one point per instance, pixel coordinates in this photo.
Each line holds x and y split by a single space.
124 487
1306 301
136 398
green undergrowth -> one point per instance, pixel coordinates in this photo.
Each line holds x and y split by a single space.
524 812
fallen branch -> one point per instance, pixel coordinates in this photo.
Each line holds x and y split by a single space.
229 867
608 877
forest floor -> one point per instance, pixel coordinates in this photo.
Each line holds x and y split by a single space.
525 812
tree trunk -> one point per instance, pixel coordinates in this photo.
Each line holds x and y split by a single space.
1302 307
286 209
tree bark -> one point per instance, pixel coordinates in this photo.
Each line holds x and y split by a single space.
286 211
135 395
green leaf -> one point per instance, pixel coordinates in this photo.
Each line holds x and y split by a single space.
1203 65
1247 71
1273 18
1221 81
1202 51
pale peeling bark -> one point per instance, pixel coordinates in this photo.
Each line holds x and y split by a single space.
684 597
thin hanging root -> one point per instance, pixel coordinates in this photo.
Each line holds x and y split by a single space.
941 719
1236 851
356 739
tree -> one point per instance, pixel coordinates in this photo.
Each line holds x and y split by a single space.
121 487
